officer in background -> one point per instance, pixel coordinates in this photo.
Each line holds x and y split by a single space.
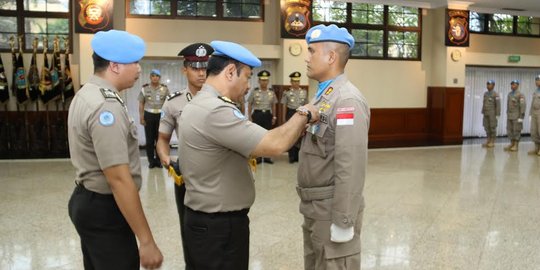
195 62
491 109
105 206
515 112
262 106
291 100
333 156
151 100
535 118
215 142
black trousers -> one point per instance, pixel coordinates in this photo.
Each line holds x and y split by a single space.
263 119
293 152
179 195
107 241
151 130
218 241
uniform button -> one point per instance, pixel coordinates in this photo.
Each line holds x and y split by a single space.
345 221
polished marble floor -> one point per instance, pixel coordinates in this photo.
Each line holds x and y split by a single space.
456 207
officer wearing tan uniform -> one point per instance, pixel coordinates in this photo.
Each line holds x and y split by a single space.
535 118
262 106
195 62
491 109
333 156
291 100
515 112
105 206
151 99
215 142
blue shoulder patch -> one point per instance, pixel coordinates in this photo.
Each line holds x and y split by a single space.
106 118
239 114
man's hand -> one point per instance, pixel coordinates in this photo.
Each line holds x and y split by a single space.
314 113
151 257
340 235
142 121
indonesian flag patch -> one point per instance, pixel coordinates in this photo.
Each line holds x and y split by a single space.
345 119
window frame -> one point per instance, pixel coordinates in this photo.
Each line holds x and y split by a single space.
488 17
174 13
22 14
385 27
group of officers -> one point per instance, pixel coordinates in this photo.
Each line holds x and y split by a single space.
515 115
213 202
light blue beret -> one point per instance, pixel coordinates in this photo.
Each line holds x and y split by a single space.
515 82
118 46
321 32
537 78
236 52
155 71
490 82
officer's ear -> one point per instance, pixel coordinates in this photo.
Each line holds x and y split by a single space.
230 71
113 66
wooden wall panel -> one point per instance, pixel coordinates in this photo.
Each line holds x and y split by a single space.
398 127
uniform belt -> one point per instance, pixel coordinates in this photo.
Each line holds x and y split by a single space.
153 110
79 187
315 193
263 111
242 212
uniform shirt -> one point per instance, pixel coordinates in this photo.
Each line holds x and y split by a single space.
516 105
262 100
101 135
216 141
172 109
492 103
294 98
334 153
535 103
153 98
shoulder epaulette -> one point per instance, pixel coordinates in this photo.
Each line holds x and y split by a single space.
145 85
227 100
173 95
163 85
110 94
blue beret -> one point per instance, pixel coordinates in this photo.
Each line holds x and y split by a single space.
321 32
490 82
236 52
118 46
155 71
515 82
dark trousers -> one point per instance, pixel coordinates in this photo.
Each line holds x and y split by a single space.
218 241
293 152
107 241
263 119
151 130
179 195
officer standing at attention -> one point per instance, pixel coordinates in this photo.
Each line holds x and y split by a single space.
262 106
195 62
515 112
535 118
291 100
333 156
215 143
151 100
491 109
105 206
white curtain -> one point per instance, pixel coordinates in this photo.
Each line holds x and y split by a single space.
475 86
172 76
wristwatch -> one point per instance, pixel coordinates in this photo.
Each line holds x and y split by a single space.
304 111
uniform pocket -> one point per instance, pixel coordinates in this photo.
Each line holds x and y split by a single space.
314 143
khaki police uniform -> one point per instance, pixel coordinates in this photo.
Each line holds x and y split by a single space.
262 102
331 176
153 99
535 119
101 135
491 109
292 99
215 143
515 110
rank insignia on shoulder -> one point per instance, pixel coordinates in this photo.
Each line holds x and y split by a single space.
329 91
227 100
145 85
173 95
109 94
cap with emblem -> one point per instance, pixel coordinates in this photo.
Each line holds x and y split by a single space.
295 76
323 33
490 82
263 75
155 72
196 55
515 82
236 52
118 46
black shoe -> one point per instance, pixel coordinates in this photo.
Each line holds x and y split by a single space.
291 160
259 160
158 164
268 160
151 165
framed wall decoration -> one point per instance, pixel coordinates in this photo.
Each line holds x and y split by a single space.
457 28
295 18
93 15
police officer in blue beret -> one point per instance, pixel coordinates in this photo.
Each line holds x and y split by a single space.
515 113
105 206
491 110
215 143
333 156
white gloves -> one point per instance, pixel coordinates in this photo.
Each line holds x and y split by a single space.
340 235
520 120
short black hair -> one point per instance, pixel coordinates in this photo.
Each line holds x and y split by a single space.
217 63
100 64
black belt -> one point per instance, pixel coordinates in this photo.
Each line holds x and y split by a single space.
242 212
82 189
263 111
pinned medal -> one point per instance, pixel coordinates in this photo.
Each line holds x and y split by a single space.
106 118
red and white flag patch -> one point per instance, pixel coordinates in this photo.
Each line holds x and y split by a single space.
345 119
